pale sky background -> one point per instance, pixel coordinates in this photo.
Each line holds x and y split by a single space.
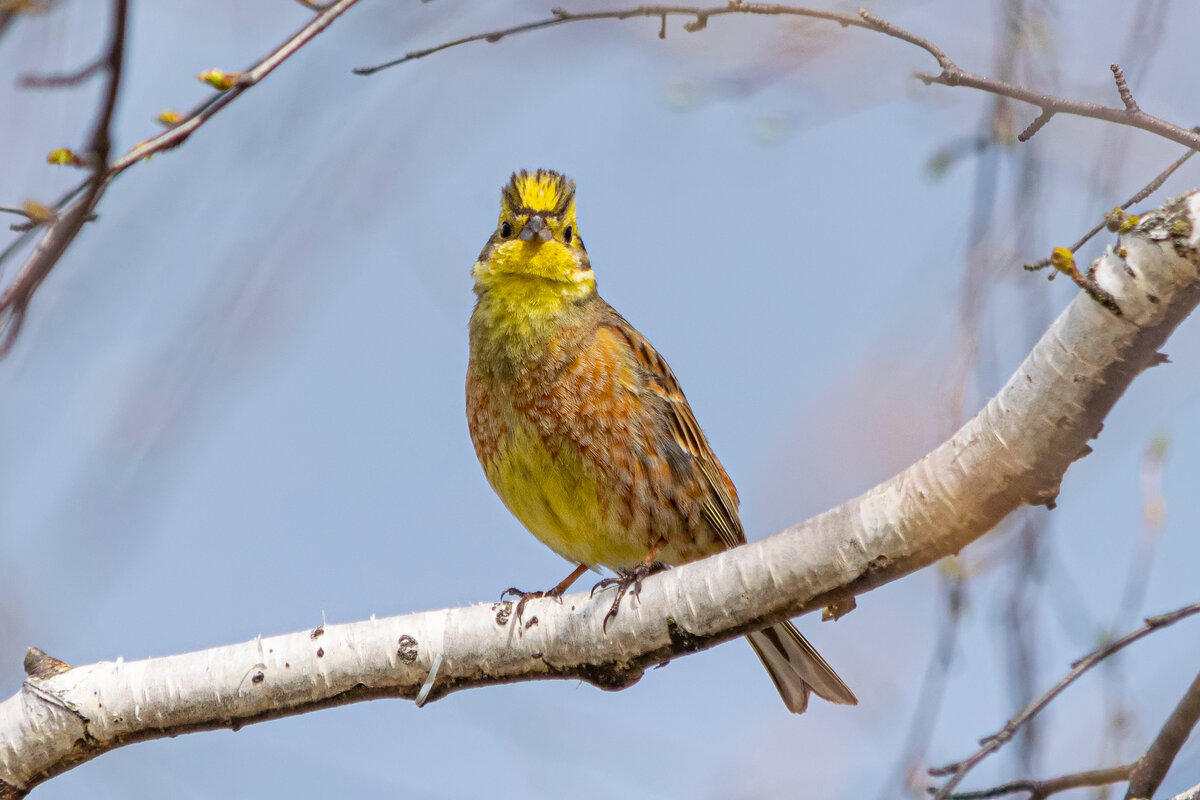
236 405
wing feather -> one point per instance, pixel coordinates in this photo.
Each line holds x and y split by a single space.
719 509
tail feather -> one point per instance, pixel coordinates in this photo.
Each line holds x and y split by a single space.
797 668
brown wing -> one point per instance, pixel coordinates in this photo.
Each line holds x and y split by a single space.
720 507
794 665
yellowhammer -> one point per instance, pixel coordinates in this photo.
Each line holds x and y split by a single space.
583 430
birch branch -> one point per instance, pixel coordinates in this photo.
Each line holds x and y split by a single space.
1189 794
1015 451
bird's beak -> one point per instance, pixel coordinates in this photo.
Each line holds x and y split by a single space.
536 230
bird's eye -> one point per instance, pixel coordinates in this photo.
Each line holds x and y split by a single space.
505 230
567 234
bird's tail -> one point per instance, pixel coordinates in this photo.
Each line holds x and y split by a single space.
797 668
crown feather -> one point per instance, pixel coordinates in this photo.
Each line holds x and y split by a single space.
542 192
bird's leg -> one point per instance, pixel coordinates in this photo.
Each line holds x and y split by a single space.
632 578
556 592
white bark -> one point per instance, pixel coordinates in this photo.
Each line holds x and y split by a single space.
1014 451
1189 794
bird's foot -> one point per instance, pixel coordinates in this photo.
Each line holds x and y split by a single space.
627 580
524 597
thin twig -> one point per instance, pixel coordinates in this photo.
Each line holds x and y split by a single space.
956 76
1123 89
1035 126
15 299
994 742
1141 194
701 16
1039 790
75 207
896 32
176 135
951 74
1152 767
63 79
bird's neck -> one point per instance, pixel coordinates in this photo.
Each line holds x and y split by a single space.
523 324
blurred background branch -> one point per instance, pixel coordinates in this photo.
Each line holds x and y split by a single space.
1159 755
72 210
65 222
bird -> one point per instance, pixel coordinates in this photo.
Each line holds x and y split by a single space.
583 430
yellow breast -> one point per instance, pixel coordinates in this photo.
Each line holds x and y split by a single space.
555 492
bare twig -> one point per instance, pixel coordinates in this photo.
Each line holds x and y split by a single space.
75 207
64 79
1152 767
1036 125
951 74
1038 790
562 17
994 742
1123 89
1051 104
700 22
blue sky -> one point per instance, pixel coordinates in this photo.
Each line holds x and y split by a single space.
236 407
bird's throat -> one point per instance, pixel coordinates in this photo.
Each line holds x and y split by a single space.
523 324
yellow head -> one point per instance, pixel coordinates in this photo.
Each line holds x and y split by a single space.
536 237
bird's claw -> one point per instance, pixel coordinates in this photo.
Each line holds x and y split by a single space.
628 579
525 597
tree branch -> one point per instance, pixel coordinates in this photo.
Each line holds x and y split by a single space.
75 207
1152 767
951 74
995 741
1015 451
66 226
701 16
1144 775
1039 790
